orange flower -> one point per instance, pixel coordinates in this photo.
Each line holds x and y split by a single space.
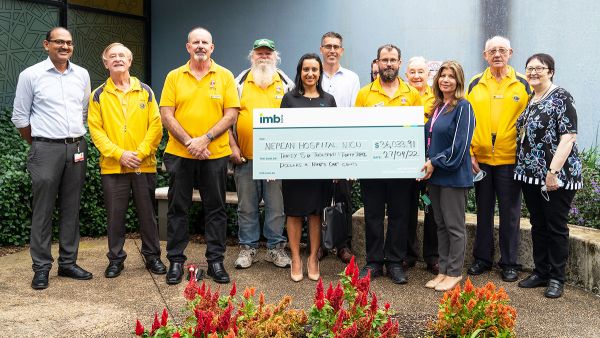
471 304
468 285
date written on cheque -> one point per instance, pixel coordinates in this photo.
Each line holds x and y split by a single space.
395 154
394 144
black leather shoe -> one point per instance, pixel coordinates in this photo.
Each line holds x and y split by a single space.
156 266
40 280
555 289
217 272
175 273
478 268
433 268
114 269
376 270
75 272
509 275
397 274
533 281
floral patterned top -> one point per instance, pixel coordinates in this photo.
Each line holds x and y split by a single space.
539 129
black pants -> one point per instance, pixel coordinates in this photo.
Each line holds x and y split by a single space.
430 238
117 189
498 183
209 176
549 230
343 193
54 173
396 194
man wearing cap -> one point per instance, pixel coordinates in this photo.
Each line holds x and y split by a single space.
344 85
260 86
199 104
50 110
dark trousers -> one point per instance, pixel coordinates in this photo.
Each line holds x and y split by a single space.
549 230
430 238
498 183
343 193
55 173
449 206
209 176
396 194
117 188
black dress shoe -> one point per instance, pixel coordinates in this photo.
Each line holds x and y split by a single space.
114 269
217 272
75 272
433 268
40 280
156 266
555 289
509 275
478 268
345 255
376 270
397 274
175 273
533 281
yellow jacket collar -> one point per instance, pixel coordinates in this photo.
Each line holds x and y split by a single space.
133 81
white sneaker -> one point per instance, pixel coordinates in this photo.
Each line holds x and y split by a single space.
278 256
246 257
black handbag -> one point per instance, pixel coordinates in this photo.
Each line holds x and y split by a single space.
334 224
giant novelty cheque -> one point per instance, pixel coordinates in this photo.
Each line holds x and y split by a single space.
310 143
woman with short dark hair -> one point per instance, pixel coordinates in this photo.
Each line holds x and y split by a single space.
549 168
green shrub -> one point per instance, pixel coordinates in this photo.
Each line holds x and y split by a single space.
585 210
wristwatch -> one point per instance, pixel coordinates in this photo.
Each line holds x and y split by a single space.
210 136
553 172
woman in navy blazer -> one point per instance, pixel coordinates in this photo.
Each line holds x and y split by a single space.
448 136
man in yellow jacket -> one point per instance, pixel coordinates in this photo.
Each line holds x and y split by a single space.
498 96
124 122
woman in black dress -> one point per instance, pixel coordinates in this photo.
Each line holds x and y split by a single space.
306 198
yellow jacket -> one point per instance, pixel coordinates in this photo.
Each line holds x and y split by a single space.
513 101
133 125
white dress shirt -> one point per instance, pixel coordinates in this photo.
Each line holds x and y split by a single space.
343 85
54 104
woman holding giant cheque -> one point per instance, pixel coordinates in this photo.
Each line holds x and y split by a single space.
306 197
448 136
549 168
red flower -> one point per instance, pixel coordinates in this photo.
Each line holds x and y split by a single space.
387 306
202 290
319 294
191 288
373 302
233 290
224 319
155 324
164 317
139 328
176 335
320 303
329 293
350 267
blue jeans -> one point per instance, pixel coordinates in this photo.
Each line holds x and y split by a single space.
250 192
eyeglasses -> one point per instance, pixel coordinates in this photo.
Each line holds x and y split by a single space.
330 47
544 189
502 51
479 176
530 70
62 42
389 61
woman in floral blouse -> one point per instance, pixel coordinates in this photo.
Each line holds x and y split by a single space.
549 168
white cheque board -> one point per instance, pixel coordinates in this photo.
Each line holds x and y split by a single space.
373 142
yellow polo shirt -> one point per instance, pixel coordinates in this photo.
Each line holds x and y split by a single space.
427 99
372 95
255 97
199 105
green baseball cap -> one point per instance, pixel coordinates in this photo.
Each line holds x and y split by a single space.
264 43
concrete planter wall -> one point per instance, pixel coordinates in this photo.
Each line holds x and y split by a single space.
583 266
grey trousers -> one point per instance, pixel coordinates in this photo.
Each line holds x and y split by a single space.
449 212
54 173
117 189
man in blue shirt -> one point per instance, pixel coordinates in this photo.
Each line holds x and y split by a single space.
50 110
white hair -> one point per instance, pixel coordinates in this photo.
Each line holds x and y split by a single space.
499 39
416 59
276 53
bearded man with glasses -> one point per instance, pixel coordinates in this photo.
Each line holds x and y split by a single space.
498 96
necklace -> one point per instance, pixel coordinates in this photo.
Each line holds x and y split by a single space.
534 100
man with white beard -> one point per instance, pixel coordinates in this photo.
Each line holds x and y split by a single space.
261 86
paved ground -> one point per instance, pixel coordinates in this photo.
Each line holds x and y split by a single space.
109 307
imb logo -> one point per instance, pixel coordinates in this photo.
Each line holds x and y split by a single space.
271 119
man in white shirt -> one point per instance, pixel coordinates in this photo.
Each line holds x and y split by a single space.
343 84
50 109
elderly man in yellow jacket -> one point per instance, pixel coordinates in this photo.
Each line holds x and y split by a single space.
125 125
498 96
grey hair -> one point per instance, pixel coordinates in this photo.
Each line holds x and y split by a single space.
499 38
415 59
